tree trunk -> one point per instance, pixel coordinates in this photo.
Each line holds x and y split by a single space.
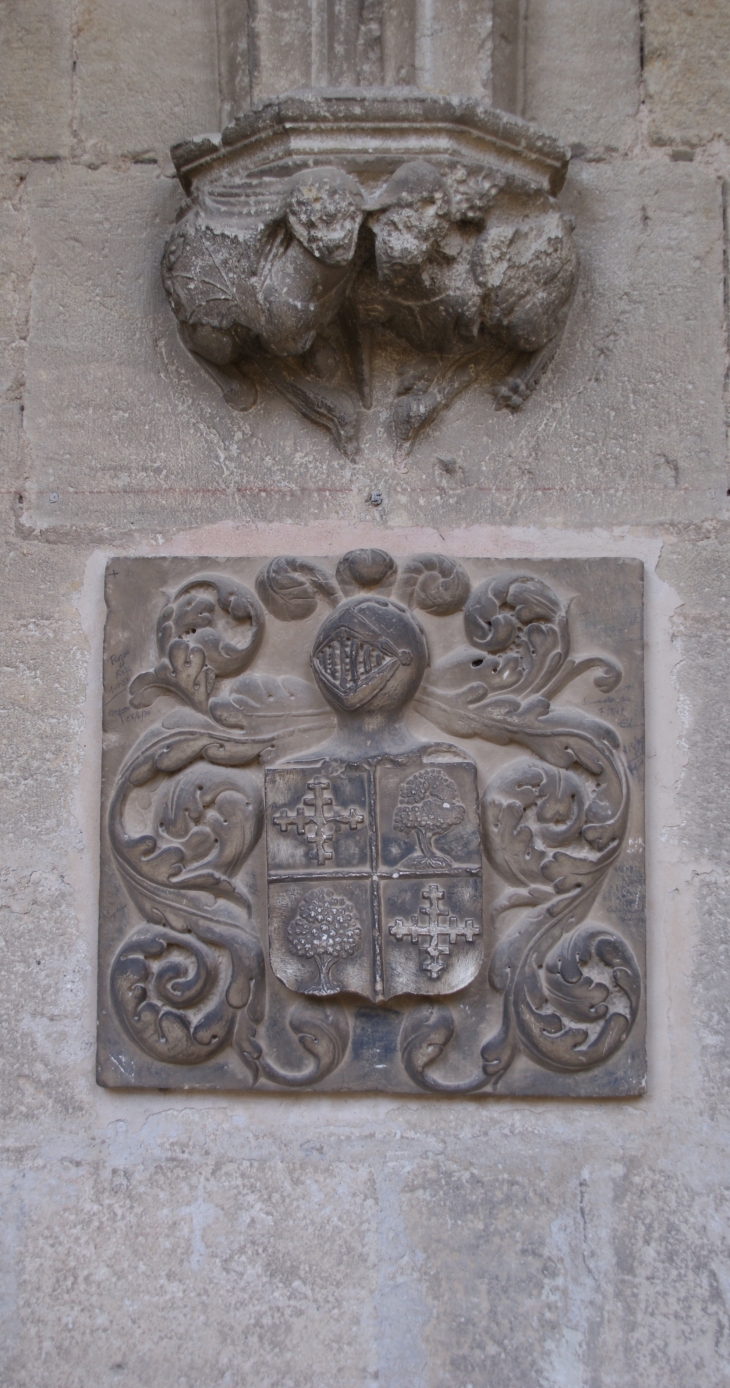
423 842
324 964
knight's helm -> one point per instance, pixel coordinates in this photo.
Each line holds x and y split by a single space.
370 654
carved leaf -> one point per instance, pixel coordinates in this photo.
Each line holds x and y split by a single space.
425 1035
178 993
291 588
216 814
273 711
324 1032
184 674
366 569
434 583
570 1018
194 612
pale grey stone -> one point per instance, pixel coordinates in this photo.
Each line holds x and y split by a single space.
146 74
687 70
449 244
582 70
601 437
453 48
15 269
163 1240
36 55
280 52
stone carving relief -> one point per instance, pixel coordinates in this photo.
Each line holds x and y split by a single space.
322 228
372 824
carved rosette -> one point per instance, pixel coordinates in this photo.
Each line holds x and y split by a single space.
376 842
317 222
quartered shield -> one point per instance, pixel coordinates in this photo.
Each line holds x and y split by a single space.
375 876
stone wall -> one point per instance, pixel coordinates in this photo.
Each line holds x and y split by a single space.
163 1239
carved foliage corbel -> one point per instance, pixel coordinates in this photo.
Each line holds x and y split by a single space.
449 246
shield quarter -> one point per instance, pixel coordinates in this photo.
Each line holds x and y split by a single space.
375 876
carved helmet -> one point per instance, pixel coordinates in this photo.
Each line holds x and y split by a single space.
370 654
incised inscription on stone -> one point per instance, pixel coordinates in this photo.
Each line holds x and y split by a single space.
371 824
320 224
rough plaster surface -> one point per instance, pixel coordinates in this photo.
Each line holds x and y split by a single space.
159 1242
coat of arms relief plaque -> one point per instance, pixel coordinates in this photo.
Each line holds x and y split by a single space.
373 824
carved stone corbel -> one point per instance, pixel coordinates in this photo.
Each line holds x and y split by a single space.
321 221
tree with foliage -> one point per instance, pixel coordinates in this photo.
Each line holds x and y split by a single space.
326 928
428 805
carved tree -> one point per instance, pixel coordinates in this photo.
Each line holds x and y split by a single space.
326 928
428 805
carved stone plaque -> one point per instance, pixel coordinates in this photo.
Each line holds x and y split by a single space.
371 824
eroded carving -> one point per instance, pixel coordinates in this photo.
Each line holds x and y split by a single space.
282 835
317 220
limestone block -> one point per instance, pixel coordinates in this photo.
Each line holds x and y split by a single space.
453 46
377 1249
710 966
280 59
118 412
112 352
35 78
269 1270
648 315
41 699
687 70
15 271
146 75
45 962
697 564
234 76
582 70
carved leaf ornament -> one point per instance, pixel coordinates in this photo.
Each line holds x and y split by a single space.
191 980
318 220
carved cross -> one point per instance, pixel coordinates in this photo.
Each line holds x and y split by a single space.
317 817
434 930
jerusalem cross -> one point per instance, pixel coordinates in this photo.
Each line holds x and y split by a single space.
436 932
316 818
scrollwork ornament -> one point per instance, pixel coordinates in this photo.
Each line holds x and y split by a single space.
296 854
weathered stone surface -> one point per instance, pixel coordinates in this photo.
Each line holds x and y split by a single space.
16 263
453 46
445 46
146 74
582 70
15 268
412 1199
698 566
448 241
687 70
36 55
346 1241
162 450
280 47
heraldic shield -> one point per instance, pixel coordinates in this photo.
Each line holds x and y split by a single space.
374 875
